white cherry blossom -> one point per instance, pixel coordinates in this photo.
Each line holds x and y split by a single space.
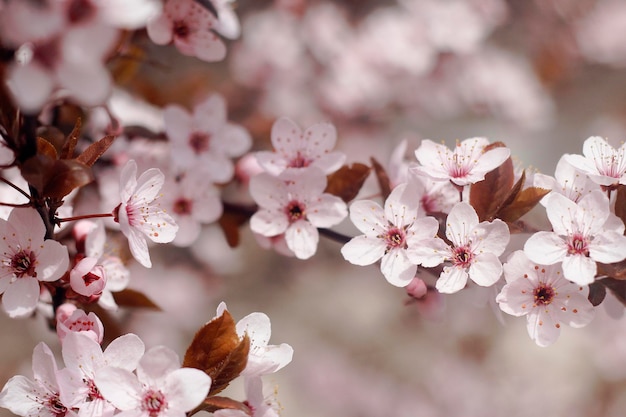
466 164
161 388
544 296
26 259
473 253
294 203
604 164
584 233
139 213
389 234
567 180
296 149
257 402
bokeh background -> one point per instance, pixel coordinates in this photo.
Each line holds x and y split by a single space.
538 75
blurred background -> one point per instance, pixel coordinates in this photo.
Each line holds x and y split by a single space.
539 75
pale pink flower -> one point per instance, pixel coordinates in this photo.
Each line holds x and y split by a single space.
473 253
139 213
192 201
389 234
25 259
83 358
205 140
296 149
466 164
583 233
294 203
38 397
71 319
604 164
189 26
257 402
161 387
87 278
567 181
542 295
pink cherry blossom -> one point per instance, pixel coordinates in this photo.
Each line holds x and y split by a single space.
257 402
540 293
584 233
161 387
83 358
87 278
38 397
389 234
139 213
567 181
296 149
189 26
294 203
205 140
466 164
474 250
604 164
25 259
71 319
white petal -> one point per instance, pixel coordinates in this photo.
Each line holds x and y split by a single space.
579 269
429 252
268 191
19 396
286 136
186 388
542 328
177 124
125 352
268 223
155 364
369 217
327 211
609 247
120 387
492 237
486 270
20 298
128 181
302 238
451 280
160 30
397 268
273 359
461 220
52 261
545 248
516 297
31 85
363 250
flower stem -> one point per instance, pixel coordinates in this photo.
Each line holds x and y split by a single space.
85 216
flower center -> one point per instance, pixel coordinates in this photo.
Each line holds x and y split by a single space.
47 53
153 402
183 206
80 10
395 238
577 245
199 142
462 256
299 161
94 392
55 406
23 263
544 295
295 211
181 29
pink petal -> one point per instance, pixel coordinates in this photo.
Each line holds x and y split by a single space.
21 297
19 396
155 364
160 29
397 268
545 248
327 211
268 191
178 124
125 352
486 270
609 247
451 280
128 181
516 297
368 217
28 225
138 246
363 250
542 328
428 252
461 220
30 85
233 140
186 388
81 352
149 184
120 387
286 136
210 115
491 237
302 238
401 206
579 269
206 46
268 223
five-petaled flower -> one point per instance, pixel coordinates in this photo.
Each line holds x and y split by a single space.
389 234
25 259
139 214
584 233
604 164
466 164
540 293
474 250
294 203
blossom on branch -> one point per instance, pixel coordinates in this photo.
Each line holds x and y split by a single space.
540 293
139 214
294 203
604 164
390 233
26 259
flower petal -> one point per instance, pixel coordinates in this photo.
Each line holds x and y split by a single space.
363 250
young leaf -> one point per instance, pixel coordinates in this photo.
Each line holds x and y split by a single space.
617 287
597 293
489 194
72 139
217 350
46 148
95 150
65 176
347 182
383 179
522 203
133 298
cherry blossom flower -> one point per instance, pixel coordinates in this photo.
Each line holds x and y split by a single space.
296 149
584 233
294 203
473 253
205 140
540 293
389 234
25 259
71 319
87 278
83 358
466 164
192 201
259 404
161 387
189 26
139 214
567 181
38 397
604 164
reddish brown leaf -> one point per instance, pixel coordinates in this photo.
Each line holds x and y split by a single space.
383 179
488 195
620 202
36 171
72 140
65 176
53 135
347 182
133 298
617 287
230 222
597 292
46 148
615 270
523 202
212 404
95 150
217 350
